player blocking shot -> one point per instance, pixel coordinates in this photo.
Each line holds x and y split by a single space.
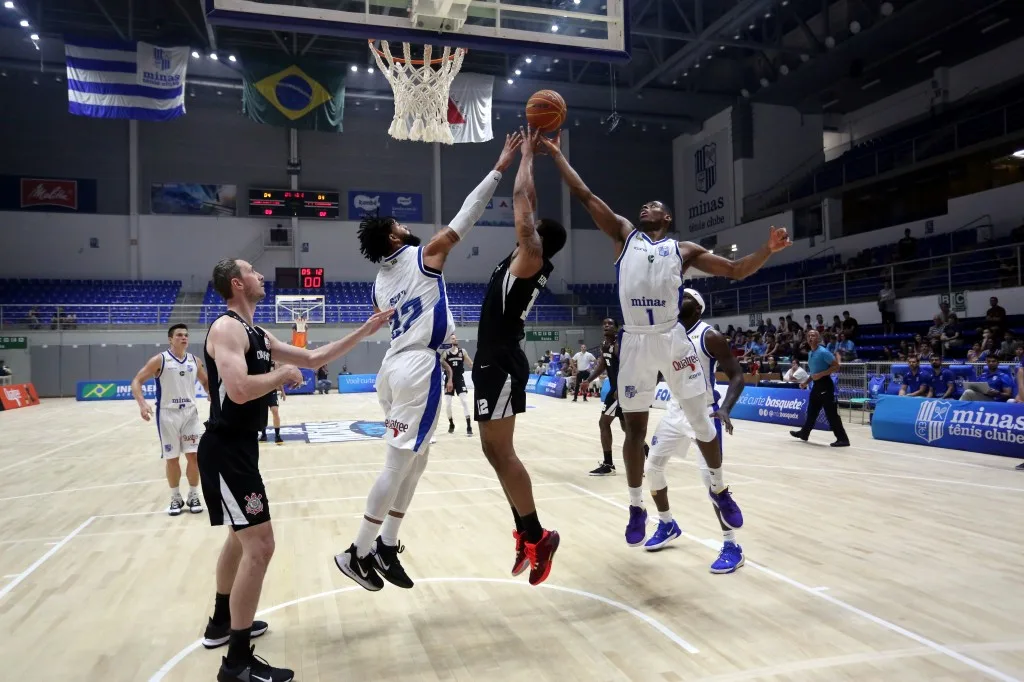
409 383
455 361
175 371
238 359
650 269
502 370
674 435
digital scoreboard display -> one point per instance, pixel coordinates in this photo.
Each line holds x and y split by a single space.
298 203
300 278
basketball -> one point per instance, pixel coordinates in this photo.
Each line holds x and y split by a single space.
545 111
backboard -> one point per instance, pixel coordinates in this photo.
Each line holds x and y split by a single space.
591 29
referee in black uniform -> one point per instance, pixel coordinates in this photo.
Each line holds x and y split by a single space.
821 364
237 355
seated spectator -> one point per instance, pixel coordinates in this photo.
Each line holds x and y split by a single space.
944 312
1000 385
796 373
943 382
837 325
770 365
831 343
33 318
846 348
935 331
887 354
951 335
323 382
850 325
988 347
914 384
924 352
974 354
995 317
771 347
1008 349
819 324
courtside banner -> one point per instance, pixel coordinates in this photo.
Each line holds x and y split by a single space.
988 427
308 386
553 387
18 395
91 391
357 383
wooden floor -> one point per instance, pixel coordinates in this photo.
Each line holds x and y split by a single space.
879 562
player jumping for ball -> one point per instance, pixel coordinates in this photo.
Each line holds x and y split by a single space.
650 269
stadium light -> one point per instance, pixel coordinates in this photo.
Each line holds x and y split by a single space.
195 55
231 58
1019 154
34 36
510 81
24 23
9 4
213 56
354 68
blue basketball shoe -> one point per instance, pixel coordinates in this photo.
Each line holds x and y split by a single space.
636 529
729 559
730 511
667 532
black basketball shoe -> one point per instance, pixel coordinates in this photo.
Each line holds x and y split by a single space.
451 426
385 557
219 635
360 570
255 669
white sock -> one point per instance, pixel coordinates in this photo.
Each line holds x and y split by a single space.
717 485
192 490
367 534
389 530
636 497
175 494
665 516
448 406
729 536
465 406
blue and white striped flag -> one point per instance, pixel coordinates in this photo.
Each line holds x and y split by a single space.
113 79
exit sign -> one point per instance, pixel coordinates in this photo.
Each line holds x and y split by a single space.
13 342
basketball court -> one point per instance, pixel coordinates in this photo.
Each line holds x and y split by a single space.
878 562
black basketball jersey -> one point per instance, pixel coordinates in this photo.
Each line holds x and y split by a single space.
457 359
507 303
250 416
610 351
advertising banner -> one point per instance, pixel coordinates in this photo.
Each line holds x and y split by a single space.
498 213
308 386
24 193
18 395
356 383
90 391
179 198
787 406
989 427
406 207
707 184
553 387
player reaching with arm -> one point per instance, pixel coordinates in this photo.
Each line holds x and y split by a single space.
674 434
177 418
409 383
650 269
238 358
502 370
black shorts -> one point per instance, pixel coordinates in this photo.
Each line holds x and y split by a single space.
611 405
458 385
499 383
230 475
272 399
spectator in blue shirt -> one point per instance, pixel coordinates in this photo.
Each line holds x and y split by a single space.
943 381
914 384
1000 385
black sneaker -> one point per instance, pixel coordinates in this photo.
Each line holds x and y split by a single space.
1020 467
799 434
256 670
385 557
360 570
219 635
604 470
177 504
451 426
263 437
278 440
469 431
195 505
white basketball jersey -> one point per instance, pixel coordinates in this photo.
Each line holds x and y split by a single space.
176 385
422 318
707 361
650 277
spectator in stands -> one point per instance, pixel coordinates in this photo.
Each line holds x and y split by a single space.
783 327
907 247
323 383
887 354
974 354
995 317
944 312
771 366
837 325
795 373
769 328
830 342
943 382
904 348
771 346
951 336
924 352
1008 349
850 325
988 347
33 318
914 385
820 324
846 347
887 306
1019 377
1000 385
935 331
807 323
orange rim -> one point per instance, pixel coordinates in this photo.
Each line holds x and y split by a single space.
414 62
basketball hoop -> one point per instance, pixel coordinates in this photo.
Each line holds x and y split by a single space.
421 91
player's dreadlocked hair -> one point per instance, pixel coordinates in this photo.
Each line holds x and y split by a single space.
374 233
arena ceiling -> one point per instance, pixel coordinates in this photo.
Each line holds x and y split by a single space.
690 58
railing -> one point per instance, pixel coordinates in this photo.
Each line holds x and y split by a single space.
991 268
859 165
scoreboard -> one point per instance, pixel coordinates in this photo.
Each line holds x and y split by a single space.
298 203
300 278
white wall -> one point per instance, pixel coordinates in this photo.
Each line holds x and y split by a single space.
913 309
57 245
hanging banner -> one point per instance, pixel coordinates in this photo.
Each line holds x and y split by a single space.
407 207
498 213
707 192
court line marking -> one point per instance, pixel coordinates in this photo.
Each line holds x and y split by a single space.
652 622
892 627
42 560
68 445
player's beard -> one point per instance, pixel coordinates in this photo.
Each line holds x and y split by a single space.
409 239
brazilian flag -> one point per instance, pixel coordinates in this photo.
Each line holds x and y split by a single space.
293 94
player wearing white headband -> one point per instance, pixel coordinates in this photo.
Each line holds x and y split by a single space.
675 433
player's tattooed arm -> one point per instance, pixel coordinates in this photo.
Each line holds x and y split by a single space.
741 268
719 347
150 370
530 255
612 224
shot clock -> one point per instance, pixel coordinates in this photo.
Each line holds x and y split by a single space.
299 203
311 279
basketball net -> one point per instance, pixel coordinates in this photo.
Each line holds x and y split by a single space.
421 91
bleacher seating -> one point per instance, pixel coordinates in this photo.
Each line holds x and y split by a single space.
92 302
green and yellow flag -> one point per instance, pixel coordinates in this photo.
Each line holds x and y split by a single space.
293 94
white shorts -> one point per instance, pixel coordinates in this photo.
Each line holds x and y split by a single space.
179 431
675 433
409 388
643 356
